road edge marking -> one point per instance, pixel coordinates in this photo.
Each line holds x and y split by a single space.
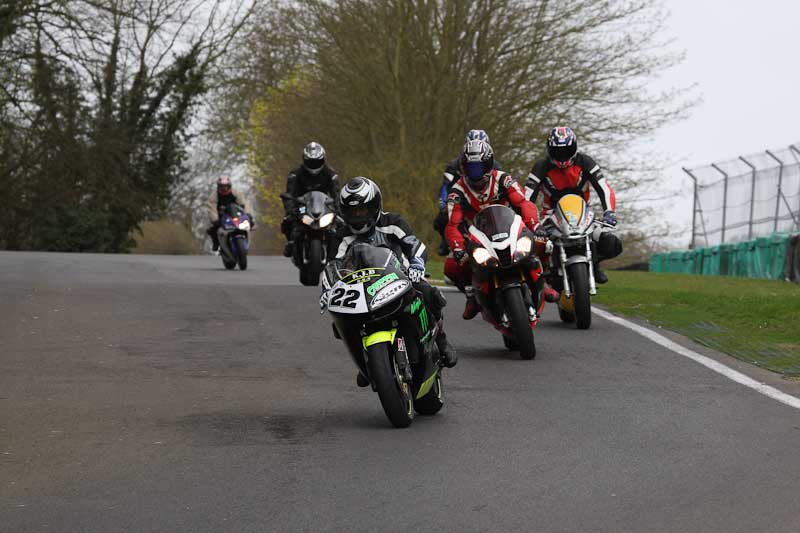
711 364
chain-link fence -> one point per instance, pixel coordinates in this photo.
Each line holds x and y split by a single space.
748 197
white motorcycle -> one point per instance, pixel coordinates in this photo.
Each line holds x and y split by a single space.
571 228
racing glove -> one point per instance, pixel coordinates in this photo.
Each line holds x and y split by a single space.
460 256
416 269
323 299
610 218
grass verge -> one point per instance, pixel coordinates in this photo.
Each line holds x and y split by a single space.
757 321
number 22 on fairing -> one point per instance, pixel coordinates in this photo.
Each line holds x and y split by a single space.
347 299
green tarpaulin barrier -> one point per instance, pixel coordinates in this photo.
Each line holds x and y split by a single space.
770 257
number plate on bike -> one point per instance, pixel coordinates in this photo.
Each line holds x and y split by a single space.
347 299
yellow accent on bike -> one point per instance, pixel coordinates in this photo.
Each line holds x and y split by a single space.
427 385
566 304
572 206
379 337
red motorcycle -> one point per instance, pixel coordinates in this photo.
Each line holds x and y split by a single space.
507 277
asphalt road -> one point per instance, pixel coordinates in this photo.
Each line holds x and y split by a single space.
164 393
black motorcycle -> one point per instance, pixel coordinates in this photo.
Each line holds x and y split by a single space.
388 331
316 211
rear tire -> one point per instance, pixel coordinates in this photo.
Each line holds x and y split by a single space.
242 255
313 268
397 403
431 403
579 279
520 323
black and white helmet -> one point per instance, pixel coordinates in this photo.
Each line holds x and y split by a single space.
313 157
360 203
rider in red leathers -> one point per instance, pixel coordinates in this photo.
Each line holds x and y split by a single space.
568 171
479 185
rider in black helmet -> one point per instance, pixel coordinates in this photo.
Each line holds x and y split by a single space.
313 175
361 205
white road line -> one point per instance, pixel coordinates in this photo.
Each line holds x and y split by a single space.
707 362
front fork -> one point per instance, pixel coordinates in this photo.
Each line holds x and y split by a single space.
562 255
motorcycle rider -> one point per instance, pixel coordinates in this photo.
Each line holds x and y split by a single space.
568 171
313 175
361 207
221 197
479 185
451 173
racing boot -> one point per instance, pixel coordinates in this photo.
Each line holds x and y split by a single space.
288 249
361 380
449 356
472 307
550 294
600 277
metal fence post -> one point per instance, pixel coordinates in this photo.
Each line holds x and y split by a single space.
780 193
752 197
694 207
724 199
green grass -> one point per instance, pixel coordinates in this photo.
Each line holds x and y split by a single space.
435 267
757 321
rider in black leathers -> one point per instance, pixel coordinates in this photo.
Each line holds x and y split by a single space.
364 221
313 175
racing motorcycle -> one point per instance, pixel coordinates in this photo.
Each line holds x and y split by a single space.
316 211
507 278
234 236
570 229
388 331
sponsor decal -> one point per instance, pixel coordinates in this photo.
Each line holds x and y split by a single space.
389 292
499 236
361 276
382 282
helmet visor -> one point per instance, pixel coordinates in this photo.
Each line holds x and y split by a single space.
313 164
562 154
474 170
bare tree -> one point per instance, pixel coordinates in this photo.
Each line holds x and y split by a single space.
111 88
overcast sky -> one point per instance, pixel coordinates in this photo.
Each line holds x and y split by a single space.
744 56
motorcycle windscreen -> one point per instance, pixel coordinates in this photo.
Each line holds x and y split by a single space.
316 203
571 213
495 221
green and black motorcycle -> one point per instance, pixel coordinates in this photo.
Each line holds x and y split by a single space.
388 331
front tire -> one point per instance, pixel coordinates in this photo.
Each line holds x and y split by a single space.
397 400
431 403
520 323
313 268
242 254
579 279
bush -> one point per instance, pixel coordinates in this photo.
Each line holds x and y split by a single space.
164 237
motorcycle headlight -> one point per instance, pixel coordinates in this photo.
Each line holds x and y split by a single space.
524 245
326 220
245 225
307 220
481 255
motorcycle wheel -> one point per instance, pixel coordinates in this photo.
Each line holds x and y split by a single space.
431 403
579 278
229 265
314 266
397 400
510 343
566 316
520 324
241 255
